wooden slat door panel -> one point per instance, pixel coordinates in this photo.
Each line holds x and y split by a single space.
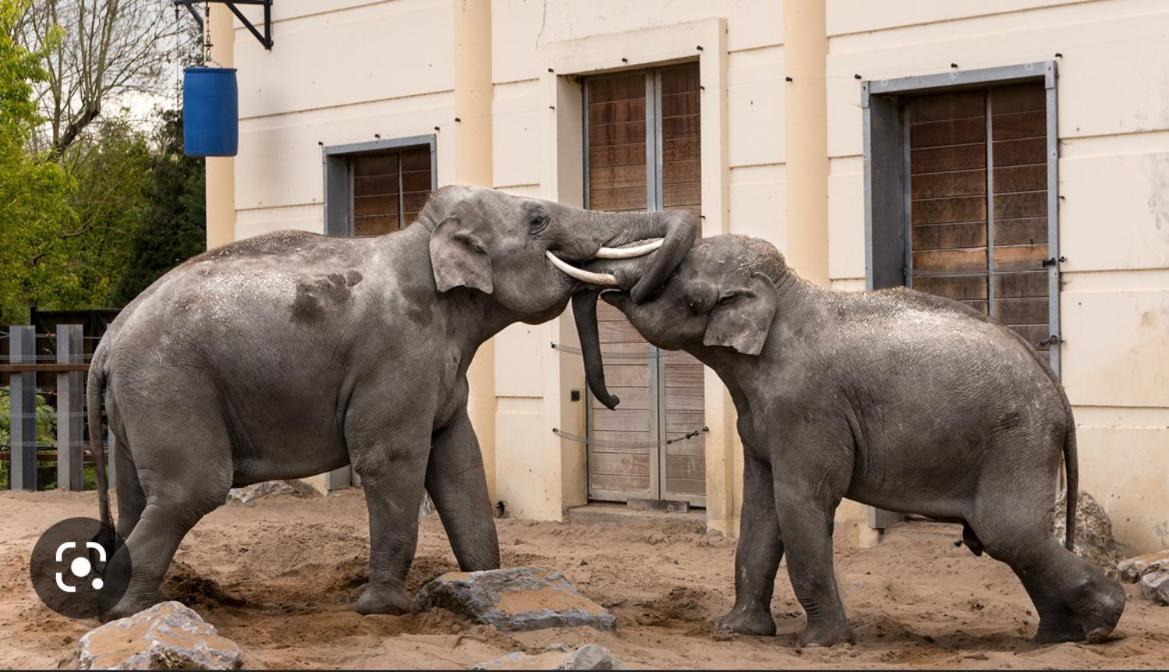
622 443
388 189
1019 153
642 449
978 202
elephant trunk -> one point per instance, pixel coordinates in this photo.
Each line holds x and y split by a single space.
626 274
584 312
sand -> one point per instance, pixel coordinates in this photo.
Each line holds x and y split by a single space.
280 577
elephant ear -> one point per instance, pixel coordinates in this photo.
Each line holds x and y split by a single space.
742 319
458 259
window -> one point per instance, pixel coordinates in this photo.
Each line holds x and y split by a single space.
958 190
642 141
377 188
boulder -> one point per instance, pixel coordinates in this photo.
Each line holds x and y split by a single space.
1133 569
521 598
1155 586
250 493
587 657
167 636
1094 541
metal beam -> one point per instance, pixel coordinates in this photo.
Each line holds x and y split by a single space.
264 39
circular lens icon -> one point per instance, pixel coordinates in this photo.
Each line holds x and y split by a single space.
80 568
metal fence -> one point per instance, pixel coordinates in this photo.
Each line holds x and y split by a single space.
30 463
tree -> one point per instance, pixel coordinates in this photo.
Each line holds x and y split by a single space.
103 49
173 228
112 167
34 192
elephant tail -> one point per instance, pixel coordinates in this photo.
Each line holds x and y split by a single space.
95 387
1072 469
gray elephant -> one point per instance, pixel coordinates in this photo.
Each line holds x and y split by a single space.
895 398
291 354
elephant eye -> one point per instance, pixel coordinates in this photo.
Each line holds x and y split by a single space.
537 223
726 298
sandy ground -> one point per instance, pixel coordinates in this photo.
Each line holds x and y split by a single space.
279 579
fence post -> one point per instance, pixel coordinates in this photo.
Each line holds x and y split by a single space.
70 410
22 472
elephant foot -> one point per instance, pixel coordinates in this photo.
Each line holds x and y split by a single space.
744 622
825 635
383 599
1099 624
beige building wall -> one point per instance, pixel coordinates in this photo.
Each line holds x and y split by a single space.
1113 101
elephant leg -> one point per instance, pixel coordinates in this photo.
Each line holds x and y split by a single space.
184 469
392 466
805 507
131 497
1074 598
757 556
458 485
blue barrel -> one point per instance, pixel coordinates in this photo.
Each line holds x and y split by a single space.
210 112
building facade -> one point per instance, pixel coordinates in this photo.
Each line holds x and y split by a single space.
1010 154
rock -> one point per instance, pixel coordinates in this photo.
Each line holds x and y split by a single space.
167 636
587 657
521 598
1133 569
1094 541
250 493
1155 586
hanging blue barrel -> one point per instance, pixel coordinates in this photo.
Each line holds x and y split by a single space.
210 112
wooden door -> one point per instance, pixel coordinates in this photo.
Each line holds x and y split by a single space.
642 142
978 203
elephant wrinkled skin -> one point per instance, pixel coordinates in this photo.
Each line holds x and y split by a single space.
894 398
291 354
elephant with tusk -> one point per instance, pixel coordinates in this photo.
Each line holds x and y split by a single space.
291 354
898 399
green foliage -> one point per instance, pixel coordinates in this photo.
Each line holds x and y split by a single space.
173 227
34 191
112 165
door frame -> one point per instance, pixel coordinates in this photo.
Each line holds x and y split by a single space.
886 160
338 202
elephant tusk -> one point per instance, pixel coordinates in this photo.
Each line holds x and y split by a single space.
582 275
629 252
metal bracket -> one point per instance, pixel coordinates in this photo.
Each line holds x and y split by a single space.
1049 341
265 39
1052 261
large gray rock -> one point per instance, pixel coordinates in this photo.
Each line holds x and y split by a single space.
587 657
167 636
250 493
521 598
1132 569
1155 586
1094 541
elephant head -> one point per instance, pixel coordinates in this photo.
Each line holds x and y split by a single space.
522 251
722 295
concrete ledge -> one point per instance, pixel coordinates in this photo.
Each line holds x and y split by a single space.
691 521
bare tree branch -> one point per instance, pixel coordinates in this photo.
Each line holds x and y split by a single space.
107 48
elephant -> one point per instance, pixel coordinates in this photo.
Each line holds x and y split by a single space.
894 398
293 353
